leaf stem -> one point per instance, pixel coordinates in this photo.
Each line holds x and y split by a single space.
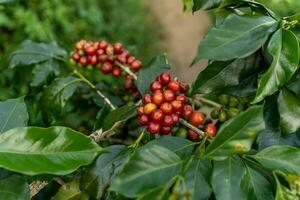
209 102
82 77
127 70
190 126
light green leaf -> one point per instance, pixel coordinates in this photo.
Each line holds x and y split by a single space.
70 191
284 48
55 150
14 188
13 113
283 193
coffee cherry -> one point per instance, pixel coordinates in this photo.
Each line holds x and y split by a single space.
223 99
157 115
109 50
187 111
166 130
167 120
155 86
222 116
175 118
181 97
130 60
166 108
169 95
90 50
121 59
79 45
102 58
129 84
153 127
233 102
158 98
94 60
111 59
103 45
83 61
164 78
149 108
143 120
174 86
100 52
116 72
210 129
75 56
107 68
192 135
214 114
136 65
140 110
177 105
147 99
118 48
233 112
184 87
196 119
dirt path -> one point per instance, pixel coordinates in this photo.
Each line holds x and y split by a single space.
183 33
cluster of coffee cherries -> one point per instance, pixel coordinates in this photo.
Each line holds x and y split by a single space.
107 58
162 109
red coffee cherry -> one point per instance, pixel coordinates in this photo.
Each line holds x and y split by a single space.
116 72
102 58
110 58
196 119
147 99
166 130
210 129
177 105
103 45
192 135
166 108
128 84
164 78
130 60
100 52
174 86
155 86
153 127
90 50
169 95
118 48
187 111
149 108
167 121
121 59
83 60
126 54
157 115
158 98
136 65
79 45
107 68
181 97
143 120
94 60
184 87
75 56
175 118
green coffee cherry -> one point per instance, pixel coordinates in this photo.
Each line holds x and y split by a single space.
222 116
214 114
223 99
232 112
81 52
233 102
181 132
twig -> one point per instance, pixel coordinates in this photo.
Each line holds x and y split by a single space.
190 126
127 70
209 102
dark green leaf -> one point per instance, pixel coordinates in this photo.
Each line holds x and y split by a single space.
206 4
236 37
295 87
150 167
284 48
43 71
13 113
55 150
70 191
148 73
237 134
31 53
14 188
117 116
282 158
156 194
289 110
101 116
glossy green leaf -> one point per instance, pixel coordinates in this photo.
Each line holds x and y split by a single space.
206 4
42 71
55 150
14 188
160 193
117 116
236 37
221 75
295 87
236 135
284 48
148 168
282 158
31 53
70 191
289 110
180 146
13 113
283 193
227 179
149 73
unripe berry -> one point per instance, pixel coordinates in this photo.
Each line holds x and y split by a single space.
143 120
177 105
164 78
166 130
166 108
118 48
181 132
184 87
147 99
140 110
192 135
130 60
155 86
187 111
174 86
210 129
169 95
223 99
116 72
136 65
149 108
107 68
83 60
103 45
79 45
196 119
153 127
167 121
233 102
214 114
222 116
158 98
75 56
181 97
157 115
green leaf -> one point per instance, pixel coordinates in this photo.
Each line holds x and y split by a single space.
148 73
236 37
119 115
221 75
57 94
55 150
289 110
31 53
14 188
182 147
159 193
205 4
283 158
283 193
42 71
70 191
227 179
295 87
13 113
236 135
284 48
150 167
188 5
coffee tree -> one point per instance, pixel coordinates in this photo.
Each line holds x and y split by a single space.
233 134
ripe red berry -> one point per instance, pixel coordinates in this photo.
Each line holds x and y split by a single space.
210 129
167 121
129 84
184 87
121 59
149 108
196 119
90 50
153 127
181 97
157 115
169 95
109 50
94 60
83 60
118 48
110 58
143 120
100 52
187 111
107 68
147 99
102 58
103 45
140 110
158 98
164 78
166 130
166 108
130 60
136 65
116 72
174 86
177 105
175 118
75 56
126 54
155 86
192 135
